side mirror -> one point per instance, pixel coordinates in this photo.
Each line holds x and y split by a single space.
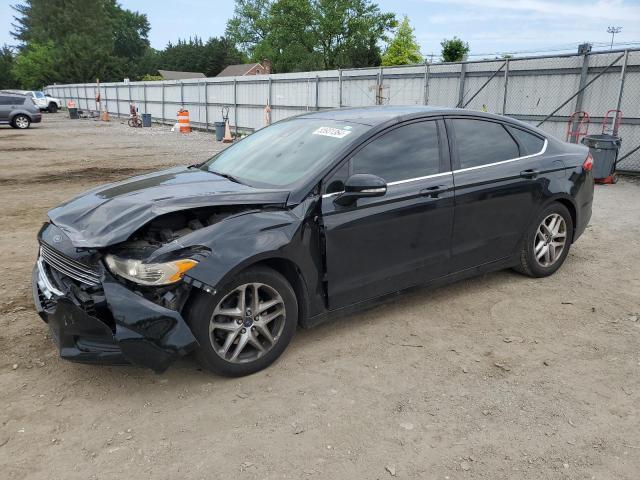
361 185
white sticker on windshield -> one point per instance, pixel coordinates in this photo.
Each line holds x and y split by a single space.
332 132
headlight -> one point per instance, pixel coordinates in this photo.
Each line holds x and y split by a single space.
149 273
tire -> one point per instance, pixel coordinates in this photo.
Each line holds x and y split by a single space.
53 108
21 121
539 256
215 331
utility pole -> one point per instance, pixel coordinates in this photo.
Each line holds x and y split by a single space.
613 30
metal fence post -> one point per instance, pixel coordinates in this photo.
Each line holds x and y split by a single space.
206 105
144 93
339 88
426 83
235 104
117 100
162 103
379 88
506 83
317 92
181 94
583 80
623 74
463 72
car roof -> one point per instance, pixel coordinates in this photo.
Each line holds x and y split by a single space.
381 114
16 92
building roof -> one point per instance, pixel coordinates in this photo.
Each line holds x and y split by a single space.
238 70
174 75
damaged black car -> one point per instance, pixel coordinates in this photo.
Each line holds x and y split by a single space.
312 217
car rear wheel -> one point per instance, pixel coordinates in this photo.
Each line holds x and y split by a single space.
53 108
247 324
548 241
21 121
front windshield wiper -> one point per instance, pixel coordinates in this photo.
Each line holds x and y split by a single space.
227 176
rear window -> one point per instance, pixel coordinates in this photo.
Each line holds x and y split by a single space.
482 142
529 142
10 100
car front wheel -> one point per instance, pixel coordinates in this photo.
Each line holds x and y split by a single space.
21 121
247 324
548 241
53 108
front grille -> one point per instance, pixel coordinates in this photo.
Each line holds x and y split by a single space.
69 267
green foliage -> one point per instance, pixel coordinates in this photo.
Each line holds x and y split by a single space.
310 34
454 50
194 55
6 64
85 40
34 67
151 78
403 49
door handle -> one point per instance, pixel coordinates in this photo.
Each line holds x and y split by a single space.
530 173
434 191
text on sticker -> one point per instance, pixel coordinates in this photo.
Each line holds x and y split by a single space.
332 132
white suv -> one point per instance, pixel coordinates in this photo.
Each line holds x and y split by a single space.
42 100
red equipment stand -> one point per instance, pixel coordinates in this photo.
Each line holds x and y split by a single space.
577 126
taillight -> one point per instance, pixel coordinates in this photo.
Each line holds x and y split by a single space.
588 163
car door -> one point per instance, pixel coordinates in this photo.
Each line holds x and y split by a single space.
5 108
384 244
496 190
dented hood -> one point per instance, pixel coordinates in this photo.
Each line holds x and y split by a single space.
111 213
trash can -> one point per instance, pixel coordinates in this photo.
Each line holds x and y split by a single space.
219 130
146 119
73 113
604 150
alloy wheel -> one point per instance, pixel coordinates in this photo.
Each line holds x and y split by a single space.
247 323
21 121
550 241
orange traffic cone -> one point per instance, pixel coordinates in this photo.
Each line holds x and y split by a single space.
227 133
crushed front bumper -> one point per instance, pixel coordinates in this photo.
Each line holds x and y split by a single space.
138 331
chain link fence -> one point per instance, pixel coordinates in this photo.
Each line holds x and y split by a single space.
543 91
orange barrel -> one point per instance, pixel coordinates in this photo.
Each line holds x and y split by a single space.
183 121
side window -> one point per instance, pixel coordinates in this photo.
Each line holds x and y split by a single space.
405 152
481 142
5 100
529 142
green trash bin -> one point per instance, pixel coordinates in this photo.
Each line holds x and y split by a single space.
73 113
146 119
604 149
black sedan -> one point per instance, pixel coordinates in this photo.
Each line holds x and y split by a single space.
312 217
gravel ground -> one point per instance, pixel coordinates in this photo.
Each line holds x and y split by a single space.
497 377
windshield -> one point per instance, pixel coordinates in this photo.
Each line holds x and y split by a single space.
285 152
39 94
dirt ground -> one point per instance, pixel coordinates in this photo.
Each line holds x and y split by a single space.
498 377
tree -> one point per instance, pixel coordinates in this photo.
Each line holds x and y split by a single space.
35 65
403 49
6 64
454 50
310 34
85 38
194 55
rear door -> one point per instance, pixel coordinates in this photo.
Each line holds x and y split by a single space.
497 189
385 244
5 107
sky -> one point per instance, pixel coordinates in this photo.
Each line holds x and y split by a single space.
490 26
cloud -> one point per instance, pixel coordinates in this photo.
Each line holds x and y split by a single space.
602 10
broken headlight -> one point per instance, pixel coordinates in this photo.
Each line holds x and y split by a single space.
149 273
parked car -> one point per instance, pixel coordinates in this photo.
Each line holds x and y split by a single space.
312 217
43 101
17 110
